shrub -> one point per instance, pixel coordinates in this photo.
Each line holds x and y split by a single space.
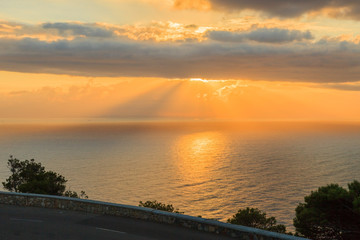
253 217
29 176
159 206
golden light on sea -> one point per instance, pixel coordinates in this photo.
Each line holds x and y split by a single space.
198 154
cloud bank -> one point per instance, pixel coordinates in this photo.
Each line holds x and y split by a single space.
262 35
76 29
285 8
99 50
318 62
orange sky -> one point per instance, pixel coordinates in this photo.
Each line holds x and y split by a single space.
61 96
203 59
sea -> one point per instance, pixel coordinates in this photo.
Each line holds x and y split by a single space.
204 168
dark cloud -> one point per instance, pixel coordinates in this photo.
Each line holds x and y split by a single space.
325 61
344 87
79 29
262 35
289 8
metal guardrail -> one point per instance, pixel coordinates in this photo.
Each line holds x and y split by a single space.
99 207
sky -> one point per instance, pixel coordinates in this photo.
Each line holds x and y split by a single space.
192 59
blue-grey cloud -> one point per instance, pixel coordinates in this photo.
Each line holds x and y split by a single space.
262 35
324 61
87 30
289 8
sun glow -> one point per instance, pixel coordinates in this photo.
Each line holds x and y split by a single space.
211 81
198 155
198 80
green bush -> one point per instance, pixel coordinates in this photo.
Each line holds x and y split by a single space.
159 206
253 217
29 176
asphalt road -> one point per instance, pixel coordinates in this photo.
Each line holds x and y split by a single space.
28 223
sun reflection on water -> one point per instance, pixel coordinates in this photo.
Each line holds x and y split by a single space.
199 160
198 155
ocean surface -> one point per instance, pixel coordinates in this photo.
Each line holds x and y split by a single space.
203 168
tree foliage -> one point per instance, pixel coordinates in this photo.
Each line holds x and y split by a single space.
331 212
74 194
159 206
29 176
253 217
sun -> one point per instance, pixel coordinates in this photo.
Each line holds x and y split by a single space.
199 80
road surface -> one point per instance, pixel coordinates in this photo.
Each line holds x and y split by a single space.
30 223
